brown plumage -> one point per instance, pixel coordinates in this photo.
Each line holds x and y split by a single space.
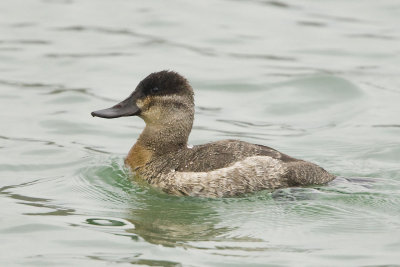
164 100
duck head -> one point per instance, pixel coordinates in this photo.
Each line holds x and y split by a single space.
161 98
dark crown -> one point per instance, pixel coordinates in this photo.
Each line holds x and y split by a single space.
165 83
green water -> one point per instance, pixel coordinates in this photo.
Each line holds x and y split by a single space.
318 80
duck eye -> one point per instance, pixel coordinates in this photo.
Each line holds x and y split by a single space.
155 89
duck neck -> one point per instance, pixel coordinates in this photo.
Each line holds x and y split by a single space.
160 138
165 138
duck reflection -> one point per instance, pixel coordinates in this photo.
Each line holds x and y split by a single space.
174 221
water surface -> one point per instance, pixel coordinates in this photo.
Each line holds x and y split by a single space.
317 80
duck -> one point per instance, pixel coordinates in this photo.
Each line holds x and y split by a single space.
226 168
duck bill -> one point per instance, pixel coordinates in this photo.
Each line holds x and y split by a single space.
126 108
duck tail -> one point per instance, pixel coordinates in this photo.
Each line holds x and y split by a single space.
301 173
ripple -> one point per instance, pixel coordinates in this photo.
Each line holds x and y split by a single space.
29 139
105 222
111 225
230 133
30 228
282 129
312 23
379 87
150 39
19 167
26 42
37 202
134 260
208 110
10 49
55 88
312 94
372 36
89 55
279 4
342 19
272 3
109 182
23 24
386 125
261 56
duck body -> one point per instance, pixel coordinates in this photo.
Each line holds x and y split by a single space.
227 168
161 156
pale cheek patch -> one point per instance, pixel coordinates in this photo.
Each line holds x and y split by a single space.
152 113
148 114
142 103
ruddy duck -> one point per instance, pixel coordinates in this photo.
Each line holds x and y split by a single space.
161 155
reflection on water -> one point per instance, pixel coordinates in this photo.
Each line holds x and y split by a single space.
185 222
315 80
157 217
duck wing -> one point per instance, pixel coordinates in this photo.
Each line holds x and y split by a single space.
221 154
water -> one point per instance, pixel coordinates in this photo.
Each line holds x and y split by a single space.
317 80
